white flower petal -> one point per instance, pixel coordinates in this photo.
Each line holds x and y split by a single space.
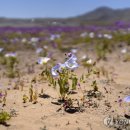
10 54
58 68
43 60
123 51
89 61
71 64
39 50
74 51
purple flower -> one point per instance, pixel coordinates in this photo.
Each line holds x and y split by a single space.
71 64
1 95
54 45
39 50
1 49
10 54
72 56
56 69
127 99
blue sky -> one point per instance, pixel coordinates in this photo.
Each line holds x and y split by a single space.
54 8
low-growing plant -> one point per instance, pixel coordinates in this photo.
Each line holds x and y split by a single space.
2 60
102 49
63 83
10 63
3 96
35 97
31 93
64 77
4 117
94 85
25 98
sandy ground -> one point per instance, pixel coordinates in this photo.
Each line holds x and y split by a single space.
43 115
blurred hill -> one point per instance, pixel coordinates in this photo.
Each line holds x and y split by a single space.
105 15
99 16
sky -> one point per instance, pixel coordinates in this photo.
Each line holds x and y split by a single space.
54 8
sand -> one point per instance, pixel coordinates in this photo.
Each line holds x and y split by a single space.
44 116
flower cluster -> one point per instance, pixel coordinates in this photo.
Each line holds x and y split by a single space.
70 64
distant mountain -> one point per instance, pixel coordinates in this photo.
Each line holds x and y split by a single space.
105 15
99 16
